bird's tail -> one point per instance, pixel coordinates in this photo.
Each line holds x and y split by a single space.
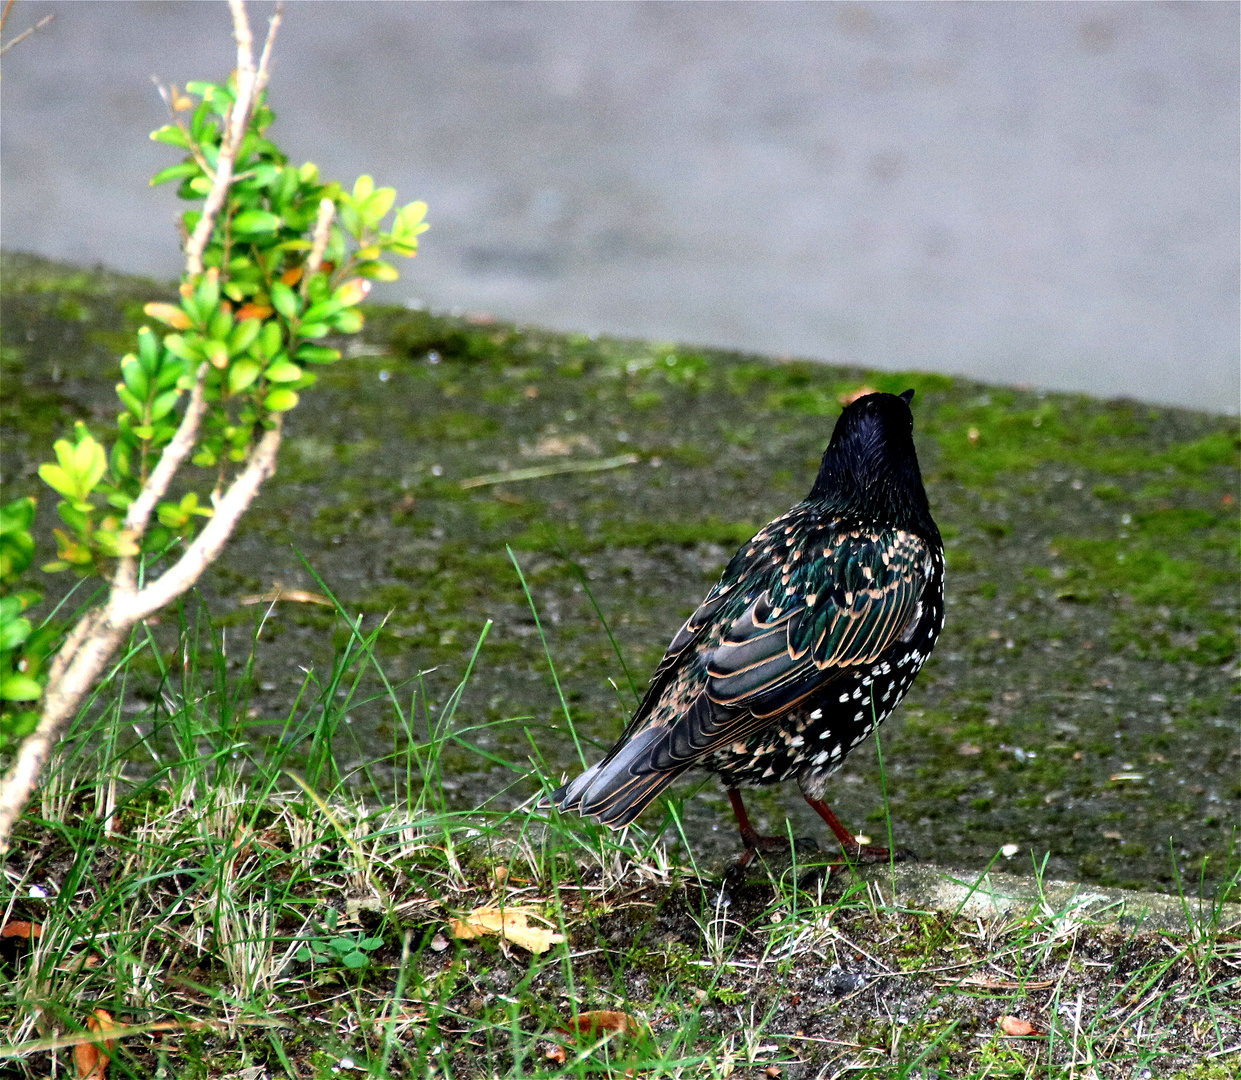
622 785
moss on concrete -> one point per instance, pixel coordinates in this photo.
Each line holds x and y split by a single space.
1092 548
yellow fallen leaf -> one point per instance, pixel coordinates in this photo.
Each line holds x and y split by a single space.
91 1059
510 923
603 1020
1012 1025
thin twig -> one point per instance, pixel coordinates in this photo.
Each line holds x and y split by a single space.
108 627
230 143
264 72
210 542
25 33
322 234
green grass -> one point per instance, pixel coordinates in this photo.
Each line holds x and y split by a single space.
263 827
193 865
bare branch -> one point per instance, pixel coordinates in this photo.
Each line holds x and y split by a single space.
59 704
25 33
157 483
71 646
210 542
96 637
229 143
264 72
322 234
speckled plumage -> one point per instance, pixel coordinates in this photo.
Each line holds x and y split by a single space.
810 639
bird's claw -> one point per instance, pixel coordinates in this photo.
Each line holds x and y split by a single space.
869 853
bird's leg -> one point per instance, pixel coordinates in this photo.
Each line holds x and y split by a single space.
754 843
749 835
856 851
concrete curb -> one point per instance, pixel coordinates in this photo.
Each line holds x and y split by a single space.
938 888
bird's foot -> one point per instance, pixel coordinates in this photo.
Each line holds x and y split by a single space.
855 855
802 848
870 853
873 853
755 843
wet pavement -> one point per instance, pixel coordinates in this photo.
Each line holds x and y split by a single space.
1021 193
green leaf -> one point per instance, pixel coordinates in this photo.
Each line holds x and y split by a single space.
89 459
280 400
363 187
216 352
75 515
378 205
370 943
18 687
320 312
285 300
244 335
350 219
130 400
183 171
302 955
348 322
314 330
316 354
253 222
10 608
282 371
163 405
170 371
207 295
171 515
355 960
148 349
186 348
13 632
58 480
172 135
17 516
378 270
135 376
221 326
408 222
242 375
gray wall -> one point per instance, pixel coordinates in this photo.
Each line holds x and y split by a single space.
1032 193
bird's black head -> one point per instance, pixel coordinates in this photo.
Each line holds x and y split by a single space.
870 468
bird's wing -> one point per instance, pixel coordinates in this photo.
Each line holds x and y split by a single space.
843 611
796 632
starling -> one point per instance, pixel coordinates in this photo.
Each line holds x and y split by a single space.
808 641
